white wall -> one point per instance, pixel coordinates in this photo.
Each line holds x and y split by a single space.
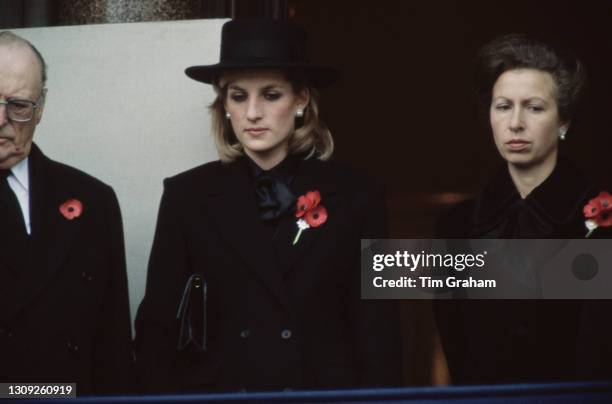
120 108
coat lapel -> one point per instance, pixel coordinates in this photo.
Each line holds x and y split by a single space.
51 237
311 176
233 209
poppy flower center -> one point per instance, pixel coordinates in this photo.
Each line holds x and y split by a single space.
316 215
604 216
71 209
605 204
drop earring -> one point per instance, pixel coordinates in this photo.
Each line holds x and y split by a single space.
299 113
227 115
562 132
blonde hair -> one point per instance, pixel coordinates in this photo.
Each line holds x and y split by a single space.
311 138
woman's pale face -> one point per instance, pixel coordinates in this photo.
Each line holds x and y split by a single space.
262 107
525 118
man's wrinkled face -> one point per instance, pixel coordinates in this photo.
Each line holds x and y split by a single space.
20 79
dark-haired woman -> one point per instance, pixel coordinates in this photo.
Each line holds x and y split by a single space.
266 239
531 91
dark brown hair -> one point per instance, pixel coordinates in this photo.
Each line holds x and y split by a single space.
510 52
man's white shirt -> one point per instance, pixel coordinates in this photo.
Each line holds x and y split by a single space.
19 181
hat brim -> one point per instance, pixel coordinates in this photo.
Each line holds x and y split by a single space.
318 76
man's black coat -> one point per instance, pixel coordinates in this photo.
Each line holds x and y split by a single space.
64 311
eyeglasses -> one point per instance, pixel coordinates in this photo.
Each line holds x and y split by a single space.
20 110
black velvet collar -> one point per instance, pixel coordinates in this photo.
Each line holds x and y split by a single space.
285 170
555 202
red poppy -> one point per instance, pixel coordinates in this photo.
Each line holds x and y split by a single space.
591 209
599 209
604 220
71 209
309 213
307 202
606 200
317 216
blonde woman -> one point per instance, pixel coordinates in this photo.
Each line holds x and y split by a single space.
266 239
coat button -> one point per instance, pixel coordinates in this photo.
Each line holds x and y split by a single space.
286 334
74 348
244 333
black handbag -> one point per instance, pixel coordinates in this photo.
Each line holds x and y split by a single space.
191 315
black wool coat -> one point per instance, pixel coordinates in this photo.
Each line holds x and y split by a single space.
279 316
64 313
511 341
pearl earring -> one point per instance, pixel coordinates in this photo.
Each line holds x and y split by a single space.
227 115
562 133
299 113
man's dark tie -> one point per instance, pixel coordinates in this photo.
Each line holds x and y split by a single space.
13 234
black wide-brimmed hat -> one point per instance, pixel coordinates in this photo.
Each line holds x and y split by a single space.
251 44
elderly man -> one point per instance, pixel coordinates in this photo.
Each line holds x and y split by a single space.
64 314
